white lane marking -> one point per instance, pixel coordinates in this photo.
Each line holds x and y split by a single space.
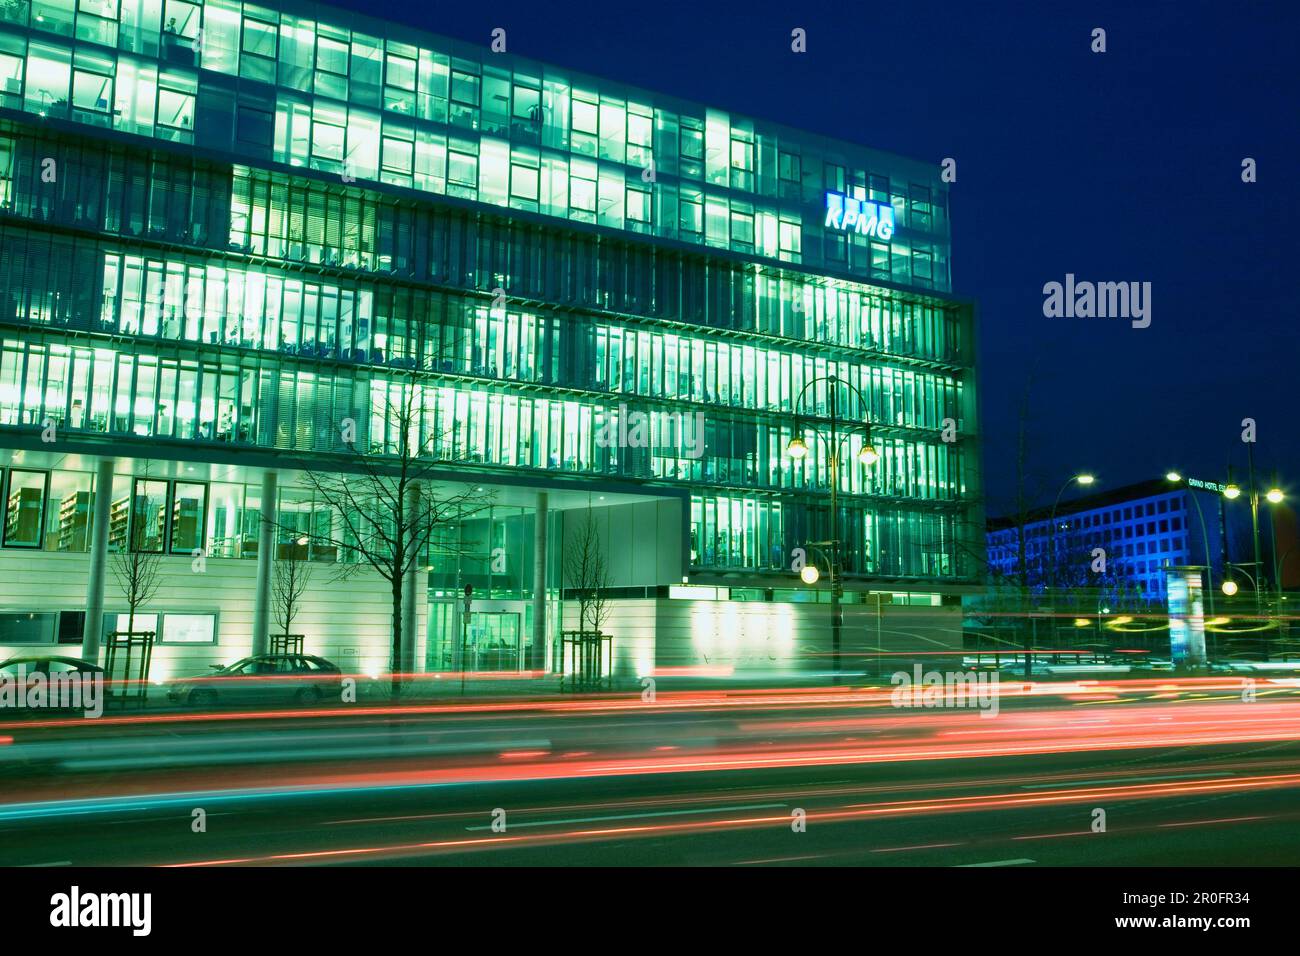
636 816
1170 776
997 863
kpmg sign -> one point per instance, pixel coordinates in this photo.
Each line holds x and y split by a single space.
866 217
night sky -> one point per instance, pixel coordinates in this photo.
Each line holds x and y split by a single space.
1122 166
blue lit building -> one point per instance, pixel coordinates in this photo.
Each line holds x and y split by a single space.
1142 527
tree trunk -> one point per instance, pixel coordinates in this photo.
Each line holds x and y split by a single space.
397 637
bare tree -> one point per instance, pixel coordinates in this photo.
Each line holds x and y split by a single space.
586 574
292 575
390 511
138 573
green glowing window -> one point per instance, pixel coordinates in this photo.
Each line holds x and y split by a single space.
326 141
182 19
97 21
462 168
260 38
398 155
54 16
92 92
691 213
585 117
464 88
400 72
25 512
331 56
638 205
582 193
523 179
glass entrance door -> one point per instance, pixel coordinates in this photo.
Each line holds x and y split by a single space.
494 641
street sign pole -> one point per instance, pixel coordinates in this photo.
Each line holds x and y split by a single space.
464 624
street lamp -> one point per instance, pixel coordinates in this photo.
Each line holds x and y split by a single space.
810 574
1232 492
1084 479
1230 587
1275 496
1174 477
798 450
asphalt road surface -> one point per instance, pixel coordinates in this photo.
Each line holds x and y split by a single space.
1161 773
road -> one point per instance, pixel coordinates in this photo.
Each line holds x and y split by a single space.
1156 772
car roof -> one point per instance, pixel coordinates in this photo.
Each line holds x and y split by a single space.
52 657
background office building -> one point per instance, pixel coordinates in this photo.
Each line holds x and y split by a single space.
1144 528
225 229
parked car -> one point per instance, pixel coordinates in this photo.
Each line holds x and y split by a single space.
49 665
26 668
265 678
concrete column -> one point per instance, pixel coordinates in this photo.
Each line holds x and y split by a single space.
539 583
410 592
98 561
265 562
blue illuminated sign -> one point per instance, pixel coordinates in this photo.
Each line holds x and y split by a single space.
866 217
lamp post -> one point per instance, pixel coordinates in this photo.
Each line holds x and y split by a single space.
798 450
1174 478
1084 479
1275 496
1232 492
1230 588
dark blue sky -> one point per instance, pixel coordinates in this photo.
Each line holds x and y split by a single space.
1123 166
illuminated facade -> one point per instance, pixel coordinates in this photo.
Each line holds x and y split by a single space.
225 228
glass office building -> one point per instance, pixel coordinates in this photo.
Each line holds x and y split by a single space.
226 227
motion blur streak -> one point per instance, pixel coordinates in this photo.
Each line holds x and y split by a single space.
1002 801
716 775
798 697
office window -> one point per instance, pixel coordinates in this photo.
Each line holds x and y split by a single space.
638 205
523 178
398 155
788 167
148 515
188 516
25 496
790 237
175 108
260 38
92 95
331 57
582 189
122 622
27 627
49 70
327 140
400 72
690 212
255 127
462 168
640 139
189 629
67 523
